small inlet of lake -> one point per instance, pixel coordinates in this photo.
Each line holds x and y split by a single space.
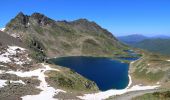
105 72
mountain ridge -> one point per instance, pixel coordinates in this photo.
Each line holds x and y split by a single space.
132 39
63 38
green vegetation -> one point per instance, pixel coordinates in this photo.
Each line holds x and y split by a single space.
161 46
37 49
151 68
149 76
154 96
71 81
38 29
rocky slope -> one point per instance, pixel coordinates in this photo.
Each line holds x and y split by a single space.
151 69
22 77
5 39
62 38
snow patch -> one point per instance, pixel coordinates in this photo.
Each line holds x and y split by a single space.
20 81
2 83
168 60
107 94
47 92
132 62
130 82
4 59
158 83
15 48
3 66
9 55
15 35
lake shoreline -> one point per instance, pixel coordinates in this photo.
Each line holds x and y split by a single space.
131 87
112 92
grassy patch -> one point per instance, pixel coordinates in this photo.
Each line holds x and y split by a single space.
70 81
154 96
152 77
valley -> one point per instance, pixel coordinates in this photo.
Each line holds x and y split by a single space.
41 58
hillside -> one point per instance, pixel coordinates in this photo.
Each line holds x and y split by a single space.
158 44
151 69
161 46
164 95
22 77
5 40
62 38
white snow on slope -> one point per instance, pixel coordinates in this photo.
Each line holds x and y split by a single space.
20 81
47 92
9 55
4 59
107 94
2 83
3 66
168 60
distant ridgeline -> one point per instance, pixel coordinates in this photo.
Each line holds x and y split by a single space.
157 44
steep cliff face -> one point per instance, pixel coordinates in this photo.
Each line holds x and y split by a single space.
62 38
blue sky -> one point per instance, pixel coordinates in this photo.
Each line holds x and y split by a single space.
121 17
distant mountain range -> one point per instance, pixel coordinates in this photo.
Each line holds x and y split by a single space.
161 37
132 39
158 44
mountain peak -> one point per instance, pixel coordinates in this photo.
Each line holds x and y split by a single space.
82 20
42 32
37 15
20 14
41 19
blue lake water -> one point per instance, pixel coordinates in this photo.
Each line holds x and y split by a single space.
105 72
129 59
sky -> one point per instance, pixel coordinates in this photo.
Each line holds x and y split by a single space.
121 17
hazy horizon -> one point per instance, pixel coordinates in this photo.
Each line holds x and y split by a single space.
149 35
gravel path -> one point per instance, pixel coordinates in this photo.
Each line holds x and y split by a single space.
130 95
